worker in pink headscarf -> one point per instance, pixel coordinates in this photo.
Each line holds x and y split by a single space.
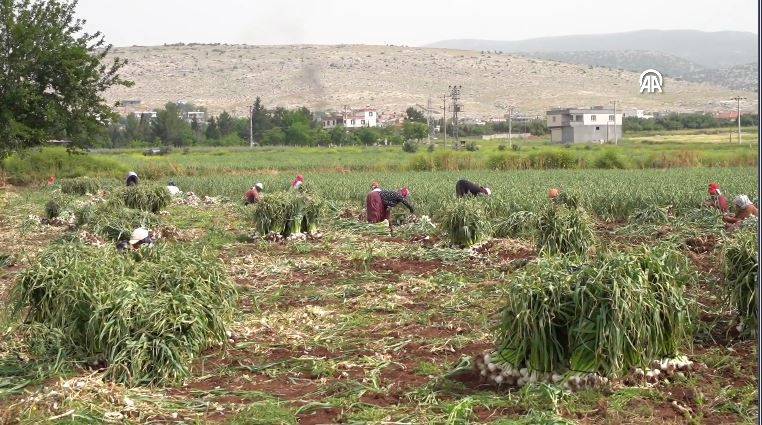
390 200
298 182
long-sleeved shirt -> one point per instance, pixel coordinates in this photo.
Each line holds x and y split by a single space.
464 187
391 199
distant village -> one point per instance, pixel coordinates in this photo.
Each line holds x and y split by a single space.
566 125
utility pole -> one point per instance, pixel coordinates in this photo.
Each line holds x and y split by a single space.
444 119
510 108
455 95
510 126
738 100
251 127
429 117
616 136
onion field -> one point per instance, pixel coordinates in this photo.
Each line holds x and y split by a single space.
624 300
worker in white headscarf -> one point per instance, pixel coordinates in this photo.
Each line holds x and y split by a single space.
139 237
132 178
172 188
744 209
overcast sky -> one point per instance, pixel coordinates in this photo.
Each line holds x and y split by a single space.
409 22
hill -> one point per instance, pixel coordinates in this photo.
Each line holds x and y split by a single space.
720 49
229 77
722 58
739 77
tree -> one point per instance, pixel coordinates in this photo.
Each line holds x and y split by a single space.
273 136
339 136
212 131
298 134
414 115
172 129
415 130
52 75
368 136
260 120
225 123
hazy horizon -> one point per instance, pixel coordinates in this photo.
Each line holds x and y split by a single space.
144 22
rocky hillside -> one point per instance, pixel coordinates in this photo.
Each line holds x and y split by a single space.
229 77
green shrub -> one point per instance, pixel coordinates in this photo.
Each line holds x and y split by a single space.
444 160
606 315
410 147
564 230
552 159
609 160
507 161
465 222
80 186
144 198
472 147
502 147
37 165
741 261
146 320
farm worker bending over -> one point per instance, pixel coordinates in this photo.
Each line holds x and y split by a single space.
140 237
254 194
172 188
298 182
132 178
464 187
391 199
744 209
716 200
374 206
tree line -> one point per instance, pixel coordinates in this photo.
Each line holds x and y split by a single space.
684 122
275 126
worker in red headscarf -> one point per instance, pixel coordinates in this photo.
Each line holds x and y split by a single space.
298 182
716 199
52 180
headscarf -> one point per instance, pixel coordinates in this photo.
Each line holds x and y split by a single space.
375 185
553 193
258 186
299 180
488 191
132 173
714 189
405 192
742 201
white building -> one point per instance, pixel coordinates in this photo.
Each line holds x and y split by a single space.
148 115
191 116
577 125
356 118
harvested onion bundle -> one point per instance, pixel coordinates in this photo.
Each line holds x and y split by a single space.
564 230
741 263
287 213
465 222
604 316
